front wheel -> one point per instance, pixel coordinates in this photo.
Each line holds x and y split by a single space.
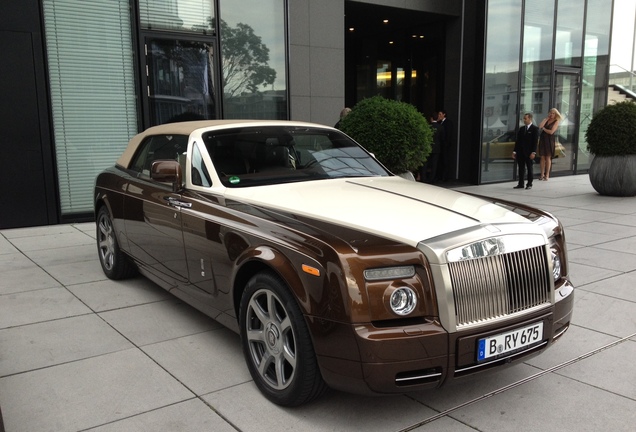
276 343
115 263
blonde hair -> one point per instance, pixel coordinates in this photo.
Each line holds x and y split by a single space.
557 114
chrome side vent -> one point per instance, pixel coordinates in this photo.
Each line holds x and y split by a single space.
496 286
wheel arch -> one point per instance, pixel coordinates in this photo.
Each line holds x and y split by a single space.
267 258
101 200
113 201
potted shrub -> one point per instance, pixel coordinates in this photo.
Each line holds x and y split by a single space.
395 132
611 137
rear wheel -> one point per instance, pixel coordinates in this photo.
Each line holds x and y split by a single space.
276 343
115 263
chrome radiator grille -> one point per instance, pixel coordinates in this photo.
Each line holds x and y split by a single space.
495 286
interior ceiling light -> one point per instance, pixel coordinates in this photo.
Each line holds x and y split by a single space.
351 29
386 21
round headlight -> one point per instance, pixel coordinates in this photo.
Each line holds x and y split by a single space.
556 265
403 301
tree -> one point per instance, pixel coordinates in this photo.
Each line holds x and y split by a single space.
244 60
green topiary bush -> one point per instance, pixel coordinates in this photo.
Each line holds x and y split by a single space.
395 132
612 130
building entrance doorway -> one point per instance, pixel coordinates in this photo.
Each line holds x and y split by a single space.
395 53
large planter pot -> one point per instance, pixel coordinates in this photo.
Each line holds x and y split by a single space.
614 175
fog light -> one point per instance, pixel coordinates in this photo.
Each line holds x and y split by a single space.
403 301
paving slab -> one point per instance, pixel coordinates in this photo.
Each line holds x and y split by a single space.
50 241
609 315
47 230
26 278
582 274
622 286
607 228
82 394
39 306
6 246
190 416
626 220
335 412
159 321
625 245
472 387
40 345
584 215
598 258
204 362
551 402
610 370
576 343
14 261
72 273
108 294
59 256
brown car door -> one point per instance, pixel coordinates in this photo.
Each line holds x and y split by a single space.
152 212
211 246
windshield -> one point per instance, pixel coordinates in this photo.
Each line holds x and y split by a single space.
279 154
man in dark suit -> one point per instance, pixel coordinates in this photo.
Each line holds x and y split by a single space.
526 150
445 134
428 172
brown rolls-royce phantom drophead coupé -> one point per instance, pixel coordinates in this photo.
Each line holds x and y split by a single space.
333 271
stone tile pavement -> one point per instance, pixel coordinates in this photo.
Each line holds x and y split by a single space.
79 352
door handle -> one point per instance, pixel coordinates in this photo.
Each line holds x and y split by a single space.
174 202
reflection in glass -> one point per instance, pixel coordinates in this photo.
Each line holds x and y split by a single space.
383 80
501 87
182 15
569 36
281 154
252 40
180 83
566 89
537 58
595 64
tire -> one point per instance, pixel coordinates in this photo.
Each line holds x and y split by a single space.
115 263
276 343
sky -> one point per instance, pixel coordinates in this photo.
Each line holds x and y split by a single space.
623 34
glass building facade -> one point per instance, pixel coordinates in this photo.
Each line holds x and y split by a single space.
542 54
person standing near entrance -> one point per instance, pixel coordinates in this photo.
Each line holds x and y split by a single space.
526 150
428 172
445 131
345 111
547 141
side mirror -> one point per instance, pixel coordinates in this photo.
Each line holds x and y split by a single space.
167 171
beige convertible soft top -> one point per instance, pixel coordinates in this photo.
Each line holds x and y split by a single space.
186 128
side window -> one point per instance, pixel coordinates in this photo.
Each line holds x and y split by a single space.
158 147
200 174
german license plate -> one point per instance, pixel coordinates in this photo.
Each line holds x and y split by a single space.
515 340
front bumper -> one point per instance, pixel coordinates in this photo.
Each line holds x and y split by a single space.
370 360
